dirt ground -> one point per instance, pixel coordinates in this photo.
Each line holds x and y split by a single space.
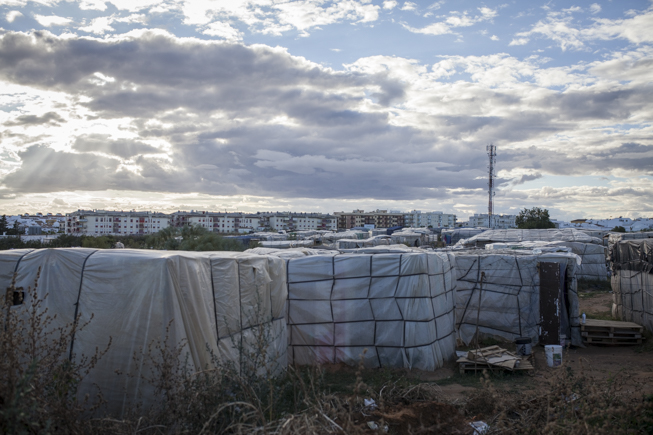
632 366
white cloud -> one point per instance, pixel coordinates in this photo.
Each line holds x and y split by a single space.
455 19
519 41
562 29
275 18
12 15
494 38
52 20
93 5
223 30
409 6
595 8
99 26
389 4
437 5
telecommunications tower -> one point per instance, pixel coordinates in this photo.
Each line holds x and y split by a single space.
492 154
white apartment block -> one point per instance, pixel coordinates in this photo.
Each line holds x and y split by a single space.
103 222
499 221
302 221
432 219
218 222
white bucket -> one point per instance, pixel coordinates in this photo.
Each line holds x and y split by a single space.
553 354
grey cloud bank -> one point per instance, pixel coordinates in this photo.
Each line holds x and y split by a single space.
150 111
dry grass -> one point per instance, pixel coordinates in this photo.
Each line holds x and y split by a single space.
38 393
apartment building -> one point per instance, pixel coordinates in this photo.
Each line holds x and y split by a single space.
429 219
218 222
289 221
378 218
499 221
104 222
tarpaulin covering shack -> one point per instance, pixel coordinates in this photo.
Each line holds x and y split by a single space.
453 236
398 305
212 301
510 294
515 235
593 262
632 281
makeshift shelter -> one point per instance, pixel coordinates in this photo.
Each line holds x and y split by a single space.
412 238
357 243
515 236
211 302
453 236
509 305
593 263
632 281
398 305
286 244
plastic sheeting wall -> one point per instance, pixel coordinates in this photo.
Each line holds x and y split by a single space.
453 236
551 235
593 257
214 299
510 297
399 306
632 281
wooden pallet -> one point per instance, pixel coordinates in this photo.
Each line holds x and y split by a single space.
611 332
467 366
490 358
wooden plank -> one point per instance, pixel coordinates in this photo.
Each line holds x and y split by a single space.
596 334
610 324
613 341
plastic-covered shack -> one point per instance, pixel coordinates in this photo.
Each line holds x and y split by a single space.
514 235
453 236
396 303
593 257
632 281
212 301
365 243
510 295
286 244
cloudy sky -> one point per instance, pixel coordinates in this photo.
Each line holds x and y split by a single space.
317 105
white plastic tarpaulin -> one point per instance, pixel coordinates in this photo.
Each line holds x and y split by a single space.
285 244
593 262
365 243
399 306
514 235
632 281
454 235
213 301
510 295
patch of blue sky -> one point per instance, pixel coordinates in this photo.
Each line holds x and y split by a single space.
559 181
623 127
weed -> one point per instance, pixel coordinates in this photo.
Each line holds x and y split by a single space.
39 374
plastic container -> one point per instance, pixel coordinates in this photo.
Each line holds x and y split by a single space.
553 354
524 346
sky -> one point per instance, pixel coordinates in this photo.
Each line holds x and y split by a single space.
269 105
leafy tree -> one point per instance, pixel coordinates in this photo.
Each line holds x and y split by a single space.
192 238
618 229
534 218
3 223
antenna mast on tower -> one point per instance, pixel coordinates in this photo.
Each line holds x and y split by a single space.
492 154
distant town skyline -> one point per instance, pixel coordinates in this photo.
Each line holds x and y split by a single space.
324 106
